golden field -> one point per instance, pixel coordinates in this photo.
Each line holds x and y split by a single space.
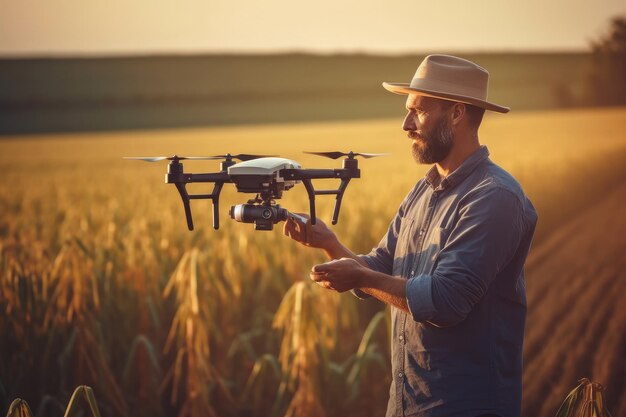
102 284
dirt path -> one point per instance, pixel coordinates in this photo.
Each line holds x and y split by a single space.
576 325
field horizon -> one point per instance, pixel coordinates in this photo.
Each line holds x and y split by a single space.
41 95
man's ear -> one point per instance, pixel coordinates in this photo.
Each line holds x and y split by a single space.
459 111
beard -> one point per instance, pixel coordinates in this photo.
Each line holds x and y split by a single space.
433 147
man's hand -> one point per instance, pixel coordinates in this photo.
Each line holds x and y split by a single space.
315 236
347 271
340 275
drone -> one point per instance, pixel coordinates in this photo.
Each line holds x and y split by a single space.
267 176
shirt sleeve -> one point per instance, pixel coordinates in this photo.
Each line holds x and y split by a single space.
483 240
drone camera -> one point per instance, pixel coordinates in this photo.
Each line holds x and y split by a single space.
263 216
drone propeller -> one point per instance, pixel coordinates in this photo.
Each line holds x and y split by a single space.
241 157
170 158
350 155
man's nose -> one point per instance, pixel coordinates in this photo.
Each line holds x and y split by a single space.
409 122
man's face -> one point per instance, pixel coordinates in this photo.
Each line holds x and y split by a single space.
428 125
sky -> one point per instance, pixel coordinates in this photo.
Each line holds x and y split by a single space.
123 27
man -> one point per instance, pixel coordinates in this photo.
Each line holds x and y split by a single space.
451 262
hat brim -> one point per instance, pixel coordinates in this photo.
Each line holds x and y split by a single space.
405 89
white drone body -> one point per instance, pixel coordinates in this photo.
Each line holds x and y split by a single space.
262 172
262 166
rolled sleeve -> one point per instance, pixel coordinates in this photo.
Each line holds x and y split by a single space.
419 297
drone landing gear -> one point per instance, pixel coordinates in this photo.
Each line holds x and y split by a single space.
312 192
176 175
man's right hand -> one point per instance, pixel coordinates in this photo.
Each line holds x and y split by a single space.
315 236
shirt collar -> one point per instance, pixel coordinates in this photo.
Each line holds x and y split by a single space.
459 174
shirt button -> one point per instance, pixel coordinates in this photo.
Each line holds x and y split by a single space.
400 375
421 232
412 272
401 338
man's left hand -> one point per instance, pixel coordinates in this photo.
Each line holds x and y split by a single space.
340 274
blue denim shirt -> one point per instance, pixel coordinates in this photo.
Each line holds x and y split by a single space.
461 243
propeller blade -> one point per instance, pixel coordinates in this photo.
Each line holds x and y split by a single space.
241 156
331 155
170 158
197 158
336 155
146 158
371 155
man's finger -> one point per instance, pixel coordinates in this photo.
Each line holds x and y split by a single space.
289 228
326 284
295 230
286 228
317 276
321 268
302 224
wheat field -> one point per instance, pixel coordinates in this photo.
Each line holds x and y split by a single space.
101 283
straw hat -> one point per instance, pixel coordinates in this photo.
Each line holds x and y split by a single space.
449 78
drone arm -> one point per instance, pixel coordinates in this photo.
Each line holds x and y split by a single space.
311 174
185 196
177 176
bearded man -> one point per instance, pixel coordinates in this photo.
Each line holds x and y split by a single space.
451 263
